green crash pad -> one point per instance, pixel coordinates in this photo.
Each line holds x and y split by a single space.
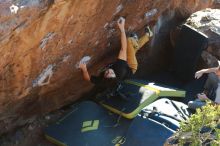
138 94
88 124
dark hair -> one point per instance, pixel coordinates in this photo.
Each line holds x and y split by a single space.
107 83
110 83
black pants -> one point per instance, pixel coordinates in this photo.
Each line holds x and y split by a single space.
211 85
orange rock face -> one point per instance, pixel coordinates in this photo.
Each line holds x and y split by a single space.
41 44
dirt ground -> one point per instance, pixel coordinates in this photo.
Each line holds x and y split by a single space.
32 134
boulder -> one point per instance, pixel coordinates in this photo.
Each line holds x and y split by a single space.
42 42
208 22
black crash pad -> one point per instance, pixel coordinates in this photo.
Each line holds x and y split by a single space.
188 49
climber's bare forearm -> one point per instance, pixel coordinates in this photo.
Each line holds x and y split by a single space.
86 75
123 51
85 72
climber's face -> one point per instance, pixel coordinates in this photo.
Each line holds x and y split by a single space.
218 72
109 73
218 65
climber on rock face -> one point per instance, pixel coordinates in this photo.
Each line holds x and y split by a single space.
126 64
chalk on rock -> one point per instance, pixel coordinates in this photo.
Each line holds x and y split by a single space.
85 60
44 77
148 15
45 40
70 42
106 25
65 58
14 9
118 9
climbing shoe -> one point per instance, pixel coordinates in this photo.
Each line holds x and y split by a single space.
134 35
196 104
148 31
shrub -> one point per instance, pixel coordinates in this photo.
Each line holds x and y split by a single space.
202 128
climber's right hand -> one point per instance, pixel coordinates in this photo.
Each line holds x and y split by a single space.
82 66
121 23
